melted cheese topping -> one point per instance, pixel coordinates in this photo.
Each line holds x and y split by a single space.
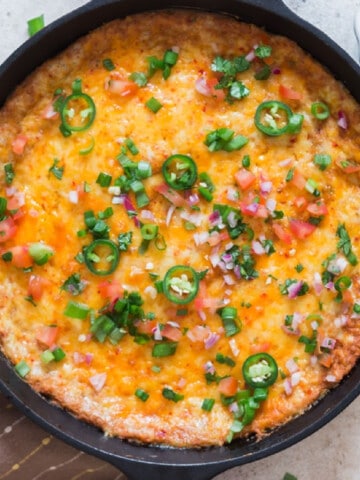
98 380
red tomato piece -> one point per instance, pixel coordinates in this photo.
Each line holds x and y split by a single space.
317 209
298 180
244 178
282 233
228 386
289 93
47 335
110 290
21 257
36 286
7 229
301 229
18 144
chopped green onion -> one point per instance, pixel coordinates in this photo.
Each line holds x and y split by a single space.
108 64
156 369
169 394
47 356
89 149
322 160
164 349
320 110
246 161
229 316
141 394
7 256
104 179
356 308
76 310
131 146
149 231
344 244
208 404
22 368
3 206
220 358
59 354
35 25
55 170
263 51
289 476
139 78
153 105
9 173
290 175
40 252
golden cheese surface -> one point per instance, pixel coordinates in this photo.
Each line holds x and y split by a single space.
267 233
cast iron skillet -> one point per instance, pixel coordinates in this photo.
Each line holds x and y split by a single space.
139 461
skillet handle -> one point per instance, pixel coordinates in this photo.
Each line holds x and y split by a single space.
139 471
357 29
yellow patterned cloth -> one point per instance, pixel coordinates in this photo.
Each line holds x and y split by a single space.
27 452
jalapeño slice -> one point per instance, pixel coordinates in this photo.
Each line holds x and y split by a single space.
101 257
77 111
260 370
181 284
275 118
180 172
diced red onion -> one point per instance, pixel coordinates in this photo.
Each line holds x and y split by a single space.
292 366
193 199
117 200
194 218
181 383
338 265
169 214
286 162
270 204
233 407
227 258
252 208
209 367
237 271
175 49
234 348
295 379
73 196
328 343
257 248
232 194
330 286
313 360
78 358
151 291
287 386
202 87
211 340
294 289
201 238
290 330
318 286
314 325
89 357
342 120
231 218
173 324
147 214
266 187
297 319
229 280
215 218
10 191
276 71
250 56
98 381
331 378
202 315
157 332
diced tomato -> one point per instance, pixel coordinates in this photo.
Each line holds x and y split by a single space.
298 180
199 333
254 210
228 386
121 87
49 113
282 233
18 144
317 209
301 229
217 237
7 229
21 257
146 327
171 195
110 290
244 178
289 93
171 333
206 86
348 167
15 202
47 335
36 286
300 203
260 347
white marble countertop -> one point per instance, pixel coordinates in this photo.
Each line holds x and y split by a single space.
331 453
